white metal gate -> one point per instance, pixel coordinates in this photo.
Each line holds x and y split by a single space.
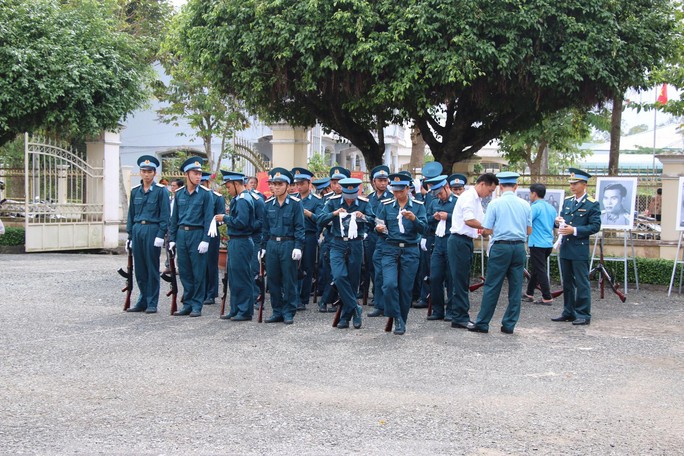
63 198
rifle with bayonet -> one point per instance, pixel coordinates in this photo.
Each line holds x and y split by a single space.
605 277
262 289
554 294
172 279
225 289
128 275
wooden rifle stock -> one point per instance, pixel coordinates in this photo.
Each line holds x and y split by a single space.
262 290
477 285
389 324
606 277
314 282
128 275
173 292
225 289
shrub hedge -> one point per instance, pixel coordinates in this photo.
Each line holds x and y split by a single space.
654 271
13 236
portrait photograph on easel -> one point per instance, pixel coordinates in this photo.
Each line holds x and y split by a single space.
553 196
617 197
680 203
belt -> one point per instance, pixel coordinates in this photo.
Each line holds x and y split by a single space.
346 239
145 222
281 238
403 244
190 228
239 236
462 235
509 242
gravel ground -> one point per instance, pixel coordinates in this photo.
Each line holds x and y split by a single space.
79 376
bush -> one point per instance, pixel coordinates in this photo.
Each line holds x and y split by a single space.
13 236
655 271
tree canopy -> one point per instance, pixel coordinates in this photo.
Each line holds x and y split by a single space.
68 67
464 71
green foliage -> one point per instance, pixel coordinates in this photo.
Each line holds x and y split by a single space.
654 271
12 153
66 66
192 97
13 236
561 133
638 129
319 164
465 72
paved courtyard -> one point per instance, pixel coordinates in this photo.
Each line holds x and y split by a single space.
79 376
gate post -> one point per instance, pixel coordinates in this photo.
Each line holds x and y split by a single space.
289 145
104 151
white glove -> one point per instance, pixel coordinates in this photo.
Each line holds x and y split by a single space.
158 242
440 231
203 247
213 231
400 217
172 247
261 254
353 228
321 238
128 246
341 216
296 254
423 245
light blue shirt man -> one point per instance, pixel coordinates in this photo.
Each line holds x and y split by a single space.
509 216
543 218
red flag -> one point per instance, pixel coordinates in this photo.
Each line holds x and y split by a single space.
662 98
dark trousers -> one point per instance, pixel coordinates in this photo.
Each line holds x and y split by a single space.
282 278
506 261
398 263
146 265
576 288
307 265
460 250
241 277
538 257
345 260
439 277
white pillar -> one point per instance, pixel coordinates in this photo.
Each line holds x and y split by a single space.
104 151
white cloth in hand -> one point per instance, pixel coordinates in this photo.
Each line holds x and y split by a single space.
213 231
261 254
400 218
159 242
423 245
128 246
440 231
353 228
172 246
557 244
342 215
296 254
203 247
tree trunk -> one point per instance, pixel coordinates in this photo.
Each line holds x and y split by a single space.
417 149
615 122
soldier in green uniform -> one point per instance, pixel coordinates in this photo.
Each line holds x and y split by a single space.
214 243
373 244
190 220
148 217
579 219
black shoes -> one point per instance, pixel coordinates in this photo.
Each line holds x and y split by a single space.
375 313
356 318
209 302
195 313
151 310
460 324
181 313
241 318
274 319
420 305
342 324
288 321
581 322
135 309
434 317
506 330
527 298
474 328
563 318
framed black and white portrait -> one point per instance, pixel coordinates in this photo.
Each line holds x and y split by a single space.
553 196
680 204
617 198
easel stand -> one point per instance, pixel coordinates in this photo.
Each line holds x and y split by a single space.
677 262
625 259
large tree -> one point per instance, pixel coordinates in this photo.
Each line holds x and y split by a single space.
68 67
464 71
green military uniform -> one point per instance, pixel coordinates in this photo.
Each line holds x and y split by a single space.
585 216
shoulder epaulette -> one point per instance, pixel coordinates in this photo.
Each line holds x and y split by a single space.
418 201
590 199
335 197
294 198
160 185
270 199
204 188
217 193
316 195
569 197
362 198
329 194
255 195
242 196
136 186
180 188
388 201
